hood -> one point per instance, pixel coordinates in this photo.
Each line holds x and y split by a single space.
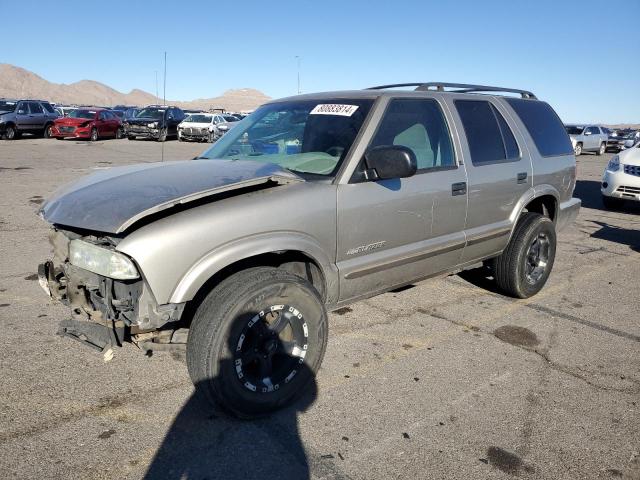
72 121
631 156
144 120
112 200
194 125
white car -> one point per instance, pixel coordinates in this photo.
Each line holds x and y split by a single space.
200 127
621 178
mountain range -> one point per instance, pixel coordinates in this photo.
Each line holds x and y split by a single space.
16 82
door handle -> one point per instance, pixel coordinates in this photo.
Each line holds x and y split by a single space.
522 177
459 188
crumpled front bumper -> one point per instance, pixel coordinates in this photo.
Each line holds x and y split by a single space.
104 312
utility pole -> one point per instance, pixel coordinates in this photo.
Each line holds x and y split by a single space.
164 93
298 61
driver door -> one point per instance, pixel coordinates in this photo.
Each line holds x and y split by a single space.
395 231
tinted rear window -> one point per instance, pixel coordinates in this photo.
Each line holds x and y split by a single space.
544 126
489 137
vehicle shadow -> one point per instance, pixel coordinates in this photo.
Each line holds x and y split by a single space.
623 236
205 442
589 192
481 277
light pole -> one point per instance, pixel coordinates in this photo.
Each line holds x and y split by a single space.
298 62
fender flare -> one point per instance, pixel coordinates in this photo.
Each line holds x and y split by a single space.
531 194
244 248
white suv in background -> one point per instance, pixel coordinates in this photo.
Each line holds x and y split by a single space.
621 178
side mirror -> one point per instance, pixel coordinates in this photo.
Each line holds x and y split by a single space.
390 161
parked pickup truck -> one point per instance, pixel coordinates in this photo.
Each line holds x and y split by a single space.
311 203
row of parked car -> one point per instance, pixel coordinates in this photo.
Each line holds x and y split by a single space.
158 122
599 139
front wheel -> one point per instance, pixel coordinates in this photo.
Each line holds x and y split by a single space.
94 135
10 133
119 134
577 150
257 340
212 137
602 149
162 136
524 267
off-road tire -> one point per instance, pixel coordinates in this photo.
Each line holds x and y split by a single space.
510 266
601 149
218 323
577 150
612 203
94 135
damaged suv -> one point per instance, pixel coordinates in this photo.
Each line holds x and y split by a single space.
311 203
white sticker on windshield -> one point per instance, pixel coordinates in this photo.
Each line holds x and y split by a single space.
334 109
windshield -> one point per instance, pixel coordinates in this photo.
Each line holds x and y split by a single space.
199 119
7 105
131 113
571 130
155 113
88 114
307 136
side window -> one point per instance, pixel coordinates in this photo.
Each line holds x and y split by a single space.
102 116
544 126
417 124
47 107
489 137
23 108
35 107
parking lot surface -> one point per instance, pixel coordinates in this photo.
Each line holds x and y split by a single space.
445 379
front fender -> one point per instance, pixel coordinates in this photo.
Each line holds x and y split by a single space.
240 249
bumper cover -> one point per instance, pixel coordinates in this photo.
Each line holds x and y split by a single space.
620 185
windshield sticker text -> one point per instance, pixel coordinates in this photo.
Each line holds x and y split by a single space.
334 109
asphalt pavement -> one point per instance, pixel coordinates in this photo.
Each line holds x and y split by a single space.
447 379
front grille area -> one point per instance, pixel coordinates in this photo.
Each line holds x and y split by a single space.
138 128
632 170
66 129
626 189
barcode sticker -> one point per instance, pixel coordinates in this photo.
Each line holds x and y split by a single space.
334 109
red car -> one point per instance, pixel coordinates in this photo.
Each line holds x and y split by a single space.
91 123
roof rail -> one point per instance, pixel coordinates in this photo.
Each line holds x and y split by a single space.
459 88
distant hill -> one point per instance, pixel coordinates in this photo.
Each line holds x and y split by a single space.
16 82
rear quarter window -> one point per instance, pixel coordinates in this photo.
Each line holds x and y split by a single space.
544 126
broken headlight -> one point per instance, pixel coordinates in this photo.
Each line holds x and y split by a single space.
101 261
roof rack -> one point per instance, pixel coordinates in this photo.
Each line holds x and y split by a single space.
459 88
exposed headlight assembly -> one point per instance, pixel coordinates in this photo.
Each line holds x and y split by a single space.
152 125
614 164
101 261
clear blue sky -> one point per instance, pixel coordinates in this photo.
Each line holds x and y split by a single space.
581 56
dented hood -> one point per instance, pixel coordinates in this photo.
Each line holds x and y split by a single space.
112 200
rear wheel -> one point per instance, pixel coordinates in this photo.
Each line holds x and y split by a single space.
48 131
612 203
577 150
94 135
257 340
602 149
524 267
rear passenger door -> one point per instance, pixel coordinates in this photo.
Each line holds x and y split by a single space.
499 173
395 231
36 116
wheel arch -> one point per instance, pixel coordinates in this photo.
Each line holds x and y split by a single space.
542 199
297 254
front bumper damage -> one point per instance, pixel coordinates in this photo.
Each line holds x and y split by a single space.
106 313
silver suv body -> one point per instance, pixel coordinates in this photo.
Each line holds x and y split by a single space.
26 116
587 138
309 204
